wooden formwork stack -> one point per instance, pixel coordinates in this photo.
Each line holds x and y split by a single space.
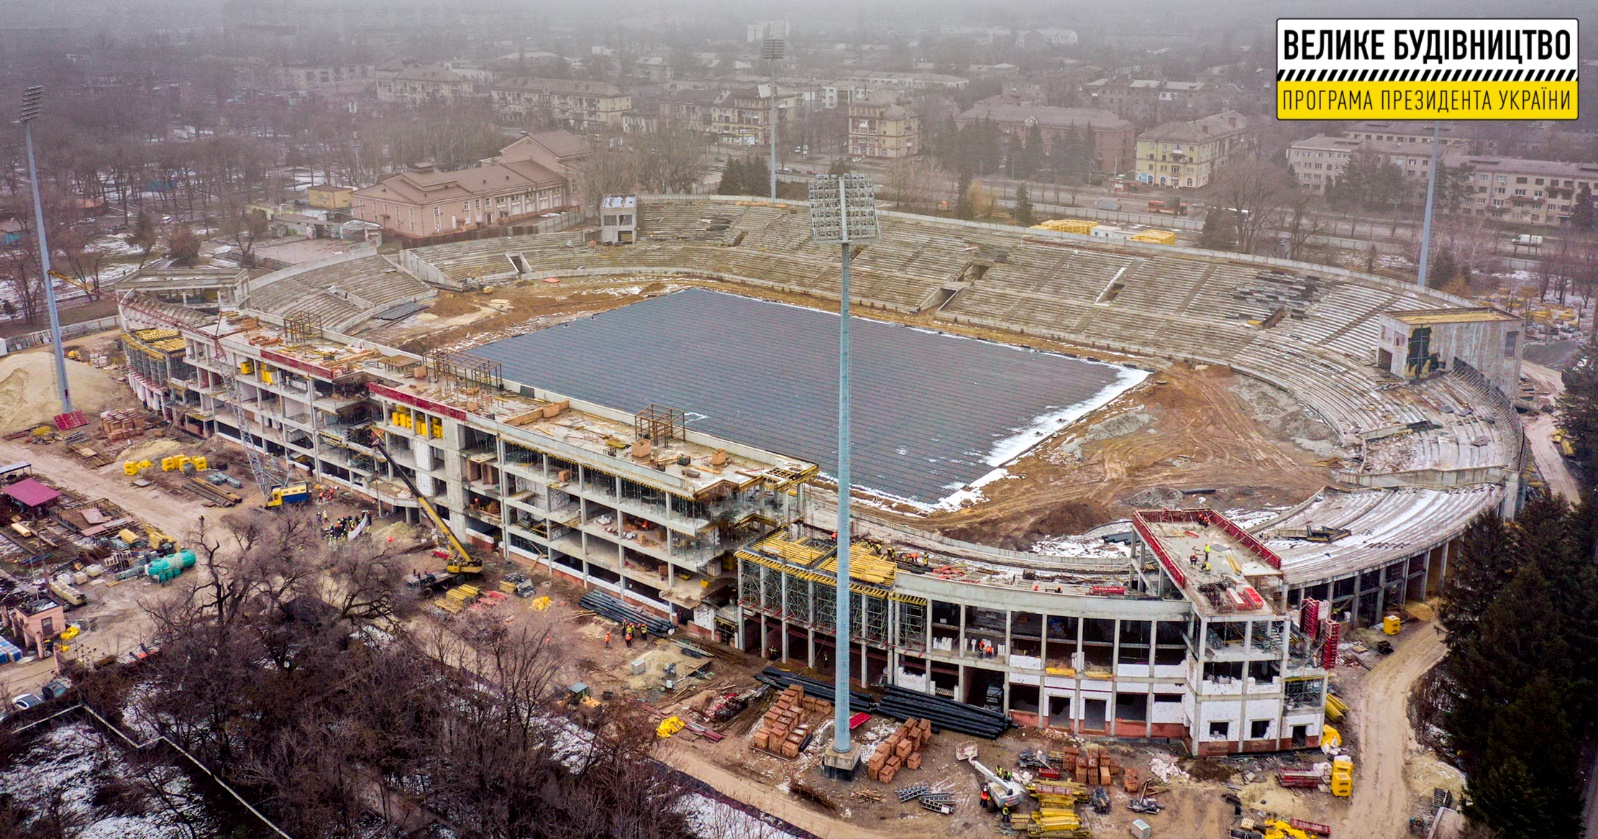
901 750
783 731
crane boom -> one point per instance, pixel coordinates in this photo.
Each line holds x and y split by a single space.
81 285
460 561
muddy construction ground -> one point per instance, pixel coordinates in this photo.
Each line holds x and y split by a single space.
1187 435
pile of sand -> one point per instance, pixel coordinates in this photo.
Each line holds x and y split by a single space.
28 391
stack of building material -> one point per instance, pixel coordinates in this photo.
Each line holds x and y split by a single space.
1057 794
1053 821
1091 766
783 731
215 495
901 750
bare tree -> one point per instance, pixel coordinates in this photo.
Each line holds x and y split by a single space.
917 183
244 225
1253 194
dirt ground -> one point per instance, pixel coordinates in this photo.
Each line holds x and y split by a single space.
1185 428
27 389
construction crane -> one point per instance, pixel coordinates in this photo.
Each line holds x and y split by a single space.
1004 793
75 282
460 560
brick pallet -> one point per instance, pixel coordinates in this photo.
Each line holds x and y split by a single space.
901 750
782 731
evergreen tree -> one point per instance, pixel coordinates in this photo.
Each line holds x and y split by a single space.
1023 207
1582 214
1578 405
1478 572
732 179
1443 268
1526 786
962 203
1217 234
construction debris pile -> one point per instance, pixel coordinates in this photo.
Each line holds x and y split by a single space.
783 731
900 750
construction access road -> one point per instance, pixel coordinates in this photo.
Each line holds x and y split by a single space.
1540 435
1383 801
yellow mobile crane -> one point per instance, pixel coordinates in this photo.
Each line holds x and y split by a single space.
460 560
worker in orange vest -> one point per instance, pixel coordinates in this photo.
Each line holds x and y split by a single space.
987 804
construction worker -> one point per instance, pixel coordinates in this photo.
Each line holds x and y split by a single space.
1005 815
628 638
607 638
987 803
1206 566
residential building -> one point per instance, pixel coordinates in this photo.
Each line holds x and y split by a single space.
416 85
312 78
739 118
879 127
1540 192
1188 154
1320 160
585 105
1150 101
877 80
1412 134
1114 139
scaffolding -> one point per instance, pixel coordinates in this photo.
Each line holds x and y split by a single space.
465 368
660 424
875 615
302 327
749 583
771 593
911 625
1302 693
796 605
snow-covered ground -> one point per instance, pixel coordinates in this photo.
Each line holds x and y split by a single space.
73 764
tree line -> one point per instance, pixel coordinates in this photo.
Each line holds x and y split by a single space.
285 667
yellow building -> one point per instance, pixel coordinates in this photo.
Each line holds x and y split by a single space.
329 197
1188 154
878 127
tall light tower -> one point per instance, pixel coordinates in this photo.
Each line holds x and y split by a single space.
1431 192
30 111
843 211
772 50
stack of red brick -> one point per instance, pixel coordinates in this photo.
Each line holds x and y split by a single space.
901 750
783 731
1091 766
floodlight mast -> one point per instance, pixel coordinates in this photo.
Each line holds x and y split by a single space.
1426 223
772 51
31 104
843 211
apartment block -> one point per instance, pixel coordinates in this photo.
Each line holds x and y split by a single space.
881 128
417 85
1539 192
1320 160
1188 154
585 105
1113 138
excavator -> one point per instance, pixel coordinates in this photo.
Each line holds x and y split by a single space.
460 560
